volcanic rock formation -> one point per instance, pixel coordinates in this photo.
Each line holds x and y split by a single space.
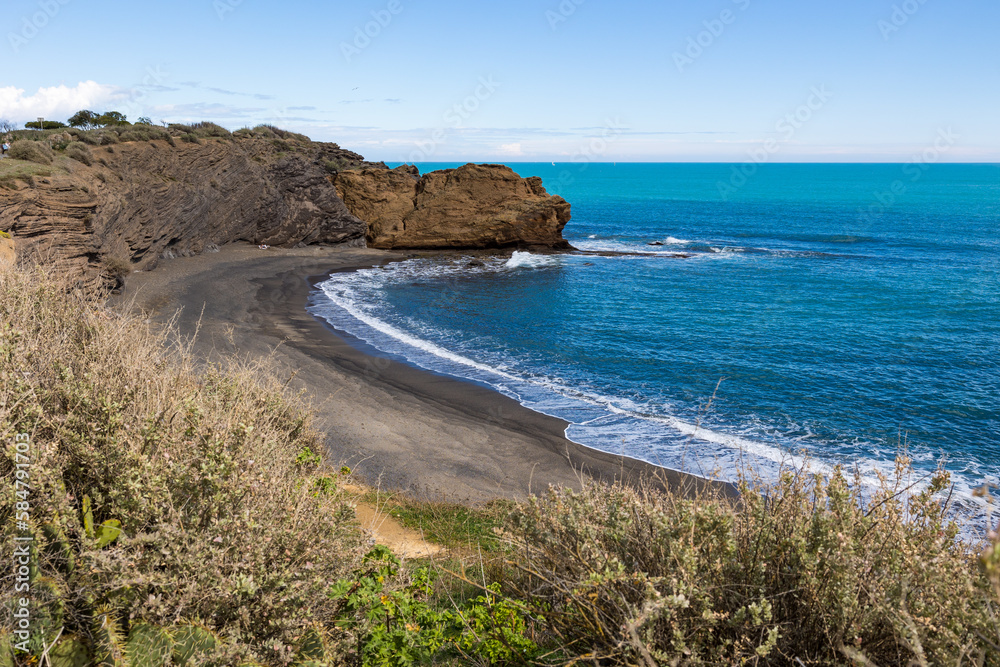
141 201
99 212
474 206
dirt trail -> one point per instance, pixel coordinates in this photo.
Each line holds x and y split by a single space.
404 542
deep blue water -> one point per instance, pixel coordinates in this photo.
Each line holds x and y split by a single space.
824 318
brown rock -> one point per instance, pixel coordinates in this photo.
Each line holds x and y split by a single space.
7 255
147 200
474 206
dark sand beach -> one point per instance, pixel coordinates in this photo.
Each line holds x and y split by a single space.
397 426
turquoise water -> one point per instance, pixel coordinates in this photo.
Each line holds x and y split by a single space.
817 313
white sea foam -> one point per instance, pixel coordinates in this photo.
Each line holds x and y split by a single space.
541 391
675 241
526 260
645 432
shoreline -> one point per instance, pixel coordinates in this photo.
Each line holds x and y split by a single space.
398 426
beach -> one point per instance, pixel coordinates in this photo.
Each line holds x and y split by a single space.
397 426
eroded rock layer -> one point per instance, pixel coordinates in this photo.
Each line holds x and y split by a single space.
141 201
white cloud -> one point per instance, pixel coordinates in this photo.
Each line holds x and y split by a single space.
57 102
510 149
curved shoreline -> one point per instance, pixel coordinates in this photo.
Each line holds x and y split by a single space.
399 426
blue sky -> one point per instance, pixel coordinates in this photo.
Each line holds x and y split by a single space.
721 80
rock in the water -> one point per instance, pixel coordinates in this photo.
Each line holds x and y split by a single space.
474 206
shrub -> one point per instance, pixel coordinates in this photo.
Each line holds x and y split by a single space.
191 138
206 129
102 137
33 151
117 268
806 570
143 133
265 131
217 522
400 625
89 137
79 152
336 165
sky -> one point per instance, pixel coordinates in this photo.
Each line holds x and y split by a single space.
521 80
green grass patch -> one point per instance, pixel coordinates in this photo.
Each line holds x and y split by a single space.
452 525
12 170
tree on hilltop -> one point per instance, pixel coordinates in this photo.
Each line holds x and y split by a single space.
111 118
83 118
44 125
88 119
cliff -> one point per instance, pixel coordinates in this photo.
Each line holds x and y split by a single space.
138 194
474 206
140 201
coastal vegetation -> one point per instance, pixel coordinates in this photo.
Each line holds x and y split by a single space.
111 127
183 514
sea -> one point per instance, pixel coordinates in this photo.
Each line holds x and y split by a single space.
729 320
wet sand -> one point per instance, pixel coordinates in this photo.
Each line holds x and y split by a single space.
397 426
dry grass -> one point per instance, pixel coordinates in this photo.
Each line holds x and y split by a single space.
224 521
32 151
230 520
807 572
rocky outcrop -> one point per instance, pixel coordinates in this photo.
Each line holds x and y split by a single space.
7 255
99 212
141 201
474 206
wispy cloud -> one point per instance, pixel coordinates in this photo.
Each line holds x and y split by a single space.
225 91
205 111
388 100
